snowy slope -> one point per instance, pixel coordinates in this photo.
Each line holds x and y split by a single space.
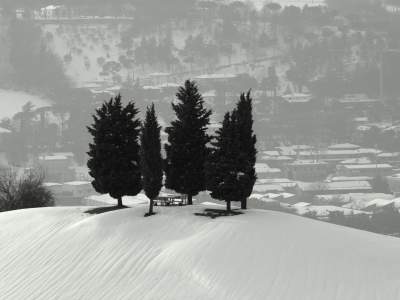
62 253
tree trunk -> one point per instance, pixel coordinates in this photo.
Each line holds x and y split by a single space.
243 204
151 207
119 201
189 199
228 206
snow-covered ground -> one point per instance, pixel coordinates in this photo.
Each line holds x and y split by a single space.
11 102
63 253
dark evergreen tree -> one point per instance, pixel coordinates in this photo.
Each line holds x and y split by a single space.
150 157
187 143
231 164
114 153
246 146
222 167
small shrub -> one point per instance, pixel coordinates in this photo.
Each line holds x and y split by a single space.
26 191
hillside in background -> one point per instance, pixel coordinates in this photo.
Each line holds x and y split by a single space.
64 253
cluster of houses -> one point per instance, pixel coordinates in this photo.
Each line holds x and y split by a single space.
341 178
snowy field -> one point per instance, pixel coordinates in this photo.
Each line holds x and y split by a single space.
64 253
11 102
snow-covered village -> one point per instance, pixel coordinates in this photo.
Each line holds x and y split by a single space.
200 149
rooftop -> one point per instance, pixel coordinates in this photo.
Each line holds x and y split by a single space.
308 163
216 76
343 146
264 188
368 166
335 186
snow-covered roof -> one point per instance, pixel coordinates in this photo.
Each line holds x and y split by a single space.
51 184
297 98
265 188
301 204
287 195
53 157
271 153
209 94
151 87
159 74
256 196
343 146
350 178
388 154
356 161
357 98
378 203
342 152
216 76
264 168
368 166
307 162
51 7
78 183
272 195
335 186
275 180
359 200
276 158
67 154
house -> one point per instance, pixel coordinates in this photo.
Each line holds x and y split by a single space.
78 189
365 170
338 155
70 193
286 183
394 184
357 102
268 188
332 188
264 171
57 167
349 178
308 170
278 161
392 158
345 146
379 205
297 98
356 161
210 81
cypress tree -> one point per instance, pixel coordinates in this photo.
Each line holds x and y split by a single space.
246 146
187 143
231 164
222 166
114 152
150 157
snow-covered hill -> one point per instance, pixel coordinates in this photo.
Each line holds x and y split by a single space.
63 253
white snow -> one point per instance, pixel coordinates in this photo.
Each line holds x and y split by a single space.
62 253
127 200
